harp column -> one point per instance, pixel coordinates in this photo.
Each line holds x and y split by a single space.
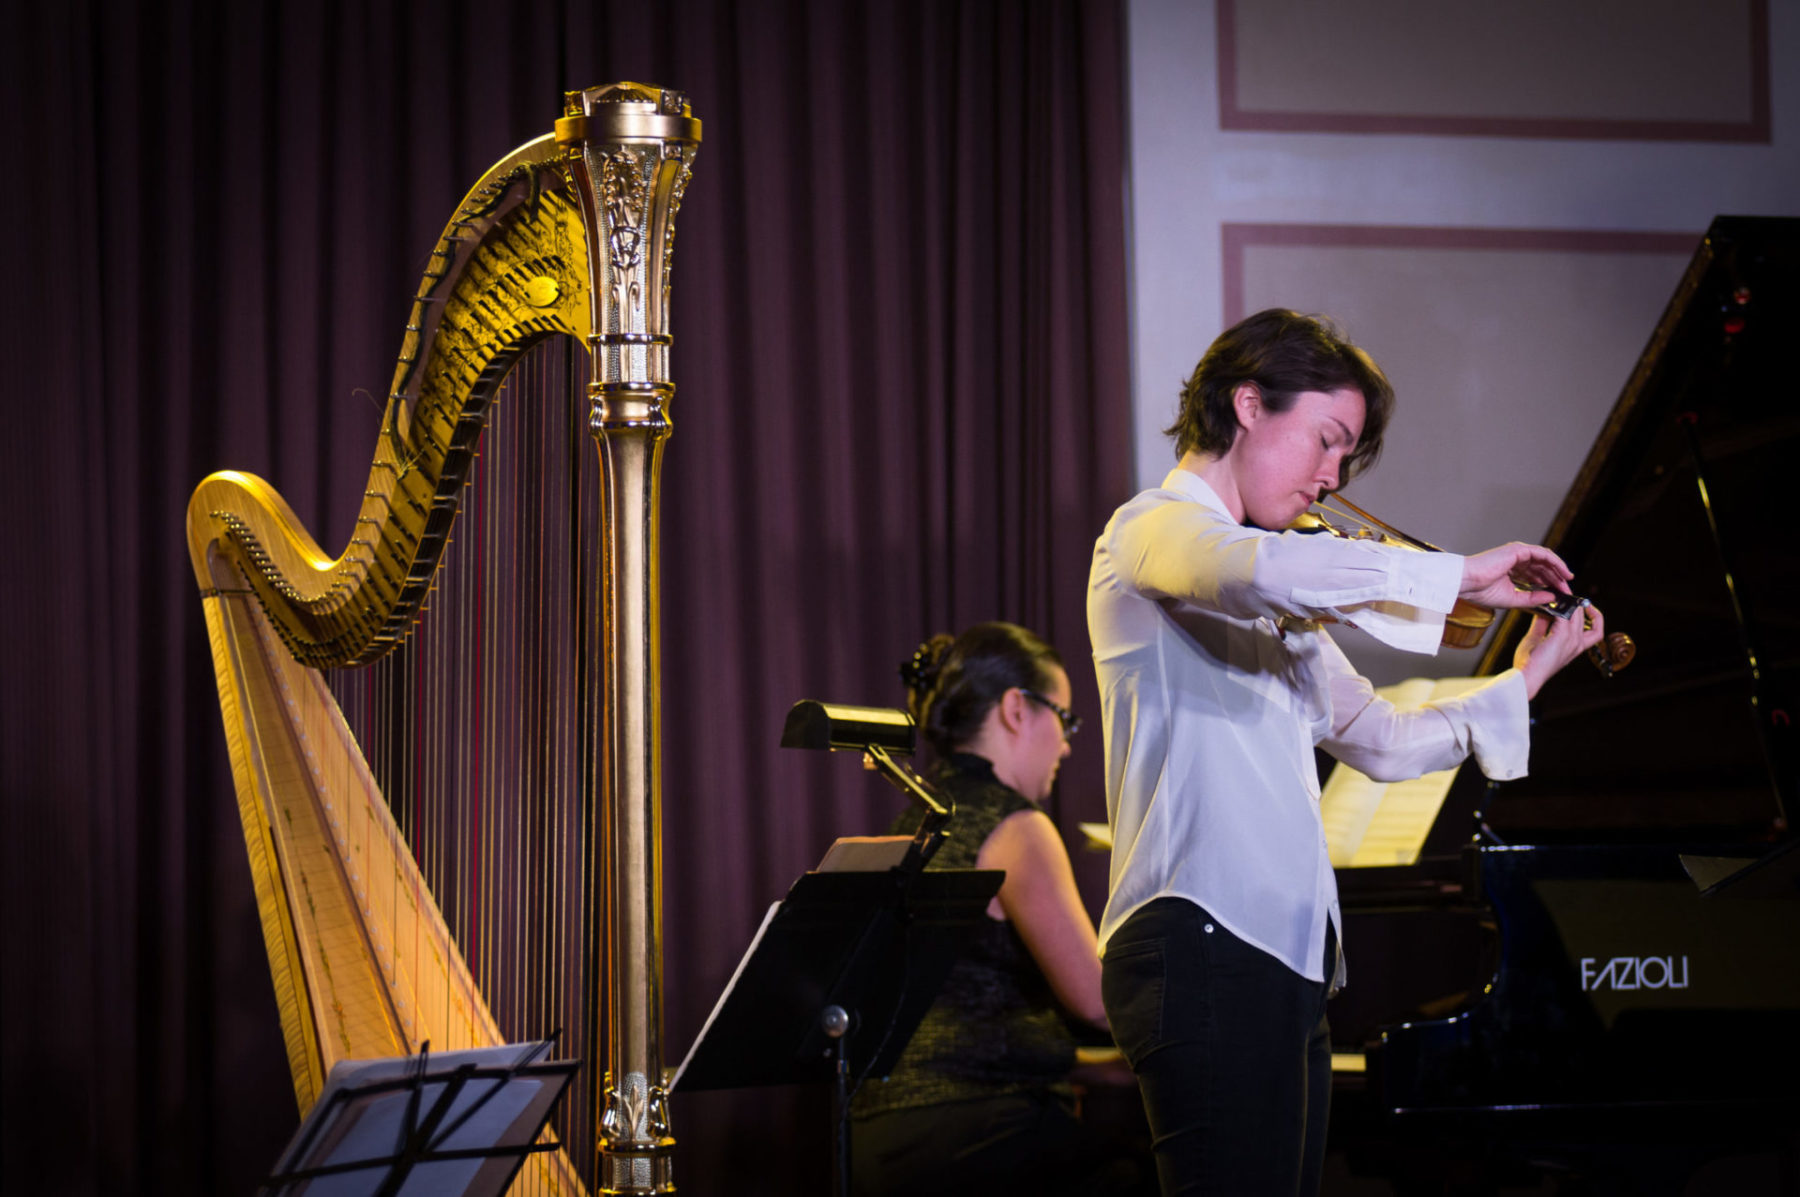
631 150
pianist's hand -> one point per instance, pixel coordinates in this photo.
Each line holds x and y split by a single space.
1514 575
1552 643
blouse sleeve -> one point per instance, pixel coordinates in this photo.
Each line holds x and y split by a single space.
1188 552
1374 737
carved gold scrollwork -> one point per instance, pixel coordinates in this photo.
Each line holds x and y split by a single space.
635 1129
685 156
622 194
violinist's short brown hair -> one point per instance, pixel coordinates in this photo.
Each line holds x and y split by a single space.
1283 353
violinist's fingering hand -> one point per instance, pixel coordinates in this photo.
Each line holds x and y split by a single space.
1514 575
1552 643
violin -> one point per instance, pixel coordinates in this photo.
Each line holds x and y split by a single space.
1467 622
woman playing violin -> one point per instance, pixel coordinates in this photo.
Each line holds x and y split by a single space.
1220 938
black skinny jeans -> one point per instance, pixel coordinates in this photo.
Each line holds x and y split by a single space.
1231 1051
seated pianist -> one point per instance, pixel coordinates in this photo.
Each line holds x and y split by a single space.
983 1098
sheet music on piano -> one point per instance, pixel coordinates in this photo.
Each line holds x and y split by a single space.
1369 823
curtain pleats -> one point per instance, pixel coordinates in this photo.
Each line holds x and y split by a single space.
900 353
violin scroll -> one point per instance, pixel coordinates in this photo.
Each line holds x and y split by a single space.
1613 653
1609 656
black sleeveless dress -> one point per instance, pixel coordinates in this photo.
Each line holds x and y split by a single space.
996 1027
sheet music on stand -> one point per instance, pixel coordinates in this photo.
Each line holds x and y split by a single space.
455 1124
877 943
838 976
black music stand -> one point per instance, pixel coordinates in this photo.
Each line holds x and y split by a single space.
458 1123
835 982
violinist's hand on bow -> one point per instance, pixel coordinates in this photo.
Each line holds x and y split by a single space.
1552 643
1514 575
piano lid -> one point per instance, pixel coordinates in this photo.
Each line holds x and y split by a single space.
1676 526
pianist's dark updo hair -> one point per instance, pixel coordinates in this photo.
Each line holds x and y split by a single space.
1283 353
952 683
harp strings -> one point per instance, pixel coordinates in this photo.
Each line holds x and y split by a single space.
479 730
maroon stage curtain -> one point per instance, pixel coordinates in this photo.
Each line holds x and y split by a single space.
901 359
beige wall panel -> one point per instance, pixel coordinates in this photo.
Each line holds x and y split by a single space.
1506 358
1694 69
1509 342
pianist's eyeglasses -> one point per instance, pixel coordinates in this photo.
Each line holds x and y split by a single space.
1071 723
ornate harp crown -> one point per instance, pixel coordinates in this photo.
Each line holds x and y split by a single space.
459 880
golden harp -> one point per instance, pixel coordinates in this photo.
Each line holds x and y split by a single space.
453 818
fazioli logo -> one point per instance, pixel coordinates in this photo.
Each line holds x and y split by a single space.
1634 972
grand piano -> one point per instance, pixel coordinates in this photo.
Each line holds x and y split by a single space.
1598 967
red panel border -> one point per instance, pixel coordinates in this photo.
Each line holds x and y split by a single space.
1755 130
1236 238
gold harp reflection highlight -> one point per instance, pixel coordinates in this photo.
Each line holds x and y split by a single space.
450 843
